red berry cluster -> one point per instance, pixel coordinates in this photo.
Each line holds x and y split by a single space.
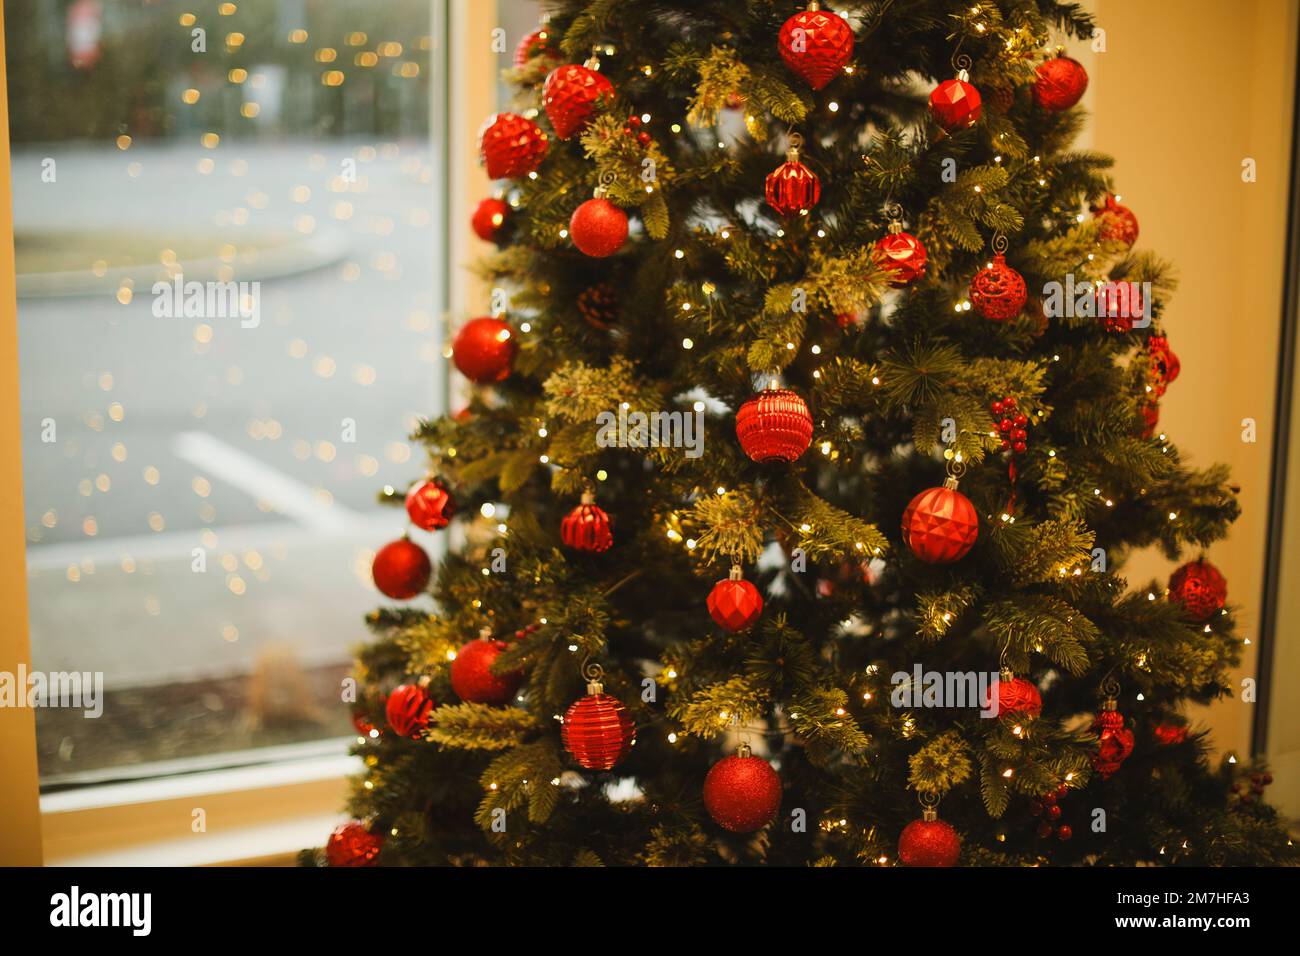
631 128
1048 806
525 631
1258 781
1012 425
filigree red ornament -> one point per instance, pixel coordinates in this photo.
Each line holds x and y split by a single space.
1164 364
742 793
1117 221
1016 697
998 291
352 844
734 603
489 218
955 104
929 841
484 349
571 95
940 524
598 228
774 425
1200 588
430 505
597 729
816 45
792 188
401 569
1114 740
587 527
1060 83
511 145
901 254
471 675
407 710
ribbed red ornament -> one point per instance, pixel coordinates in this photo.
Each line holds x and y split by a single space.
1114 740
902 254
929 842
430 505
742 793
352 844
407 710
940 524
511 145
1016 697
489 216
472 678
816 45
998 291
538 43
734 603
571 95
484 349
774 425
1200 588
1060 83
792 188
598 228
597 730
1117 221
1164 364
587 527
955 104
401 569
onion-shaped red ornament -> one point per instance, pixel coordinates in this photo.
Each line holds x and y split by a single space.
430 505
597 729
471 675
816 44
1016 697
792 188
1060 83
1114 740
774 425
742 793
511 145
998 291
352 844
901 254
484 349
1164 364
571 95
955 104
538 43
1200 588
598 228
1117 221
940 524
1119 306
407 710
489 218
734 603
929 841
401 569
587 527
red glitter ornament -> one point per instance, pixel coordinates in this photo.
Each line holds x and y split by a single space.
597 729
955 104
429 505
484 349
998 291
587 527
1164 364
1117 221
511 145
1200 588
816 45
742 793
940 524
774 425
734 603
1060 83
571 95
401 569
538 43
929 841
1016 697
472 678
901 254
598 228
352 844
489 217
1114 740
407 710
792 188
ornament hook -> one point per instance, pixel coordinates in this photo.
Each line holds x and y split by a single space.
962 64
607 178
999 243
1110 687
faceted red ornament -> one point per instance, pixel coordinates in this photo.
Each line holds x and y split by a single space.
734 603
774 425
489 216
571 95
1164 364
1117 221
1168 734
1200 588
998 291
538 43
1119 306
472 678
955 104
816 45
351 844
598 228
742 793
484 349
401 569
597 730
429 505
902 254
1016 696
586 527
1060 84
408 710
792 188
1115 741
929 842
940 524
511 145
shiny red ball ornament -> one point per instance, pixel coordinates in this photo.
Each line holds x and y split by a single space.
489 218
587 527
1117 221
901 254
471 675
1119 306
1016 696
571 95
401 569
1164 364
597 729
430 505
484 349
774 425
929 842
352 844
1114 740
940 524
1200 588
816 45
407 710
598 228
1060 83
742 793
511 145
998 291
734 603
955 105
538 43
792 188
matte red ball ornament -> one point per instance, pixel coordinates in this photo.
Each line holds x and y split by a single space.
571 95
598 228
1114 740
929 841
940 524
597 729
998 291
511 145
430 505
489 218
401 569
955 104
471 675
538 43
734 603
1060 83
774 425
1200 588
352 844
1117 221
742 793
902 254
484 349
1016 697
792 188
816 44
407 710
1164 364
587 527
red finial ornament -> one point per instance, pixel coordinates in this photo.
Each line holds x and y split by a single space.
587 527
1060 83
430 505
1200 588
774 425
401 569
597 729
472 677
511 145
792 188
940 524
816 45
734 603
929 841
407 710
571 95
742 793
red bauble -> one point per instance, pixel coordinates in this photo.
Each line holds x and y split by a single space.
511 145
940 524
902 254
484 349
816 45
1168 734
401 569
489 216
1060 84
1150 419
742 793
587 527
598 228
1164 364
1017 697
429 505
472 678
955 104
597 730
351 844
929 842
571 95
1115 741
1117 221
408 710
1119 305
1200 588
774 425
538 43
734 603
998 291
792 188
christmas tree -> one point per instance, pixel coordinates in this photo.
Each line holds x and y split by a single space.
814 424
